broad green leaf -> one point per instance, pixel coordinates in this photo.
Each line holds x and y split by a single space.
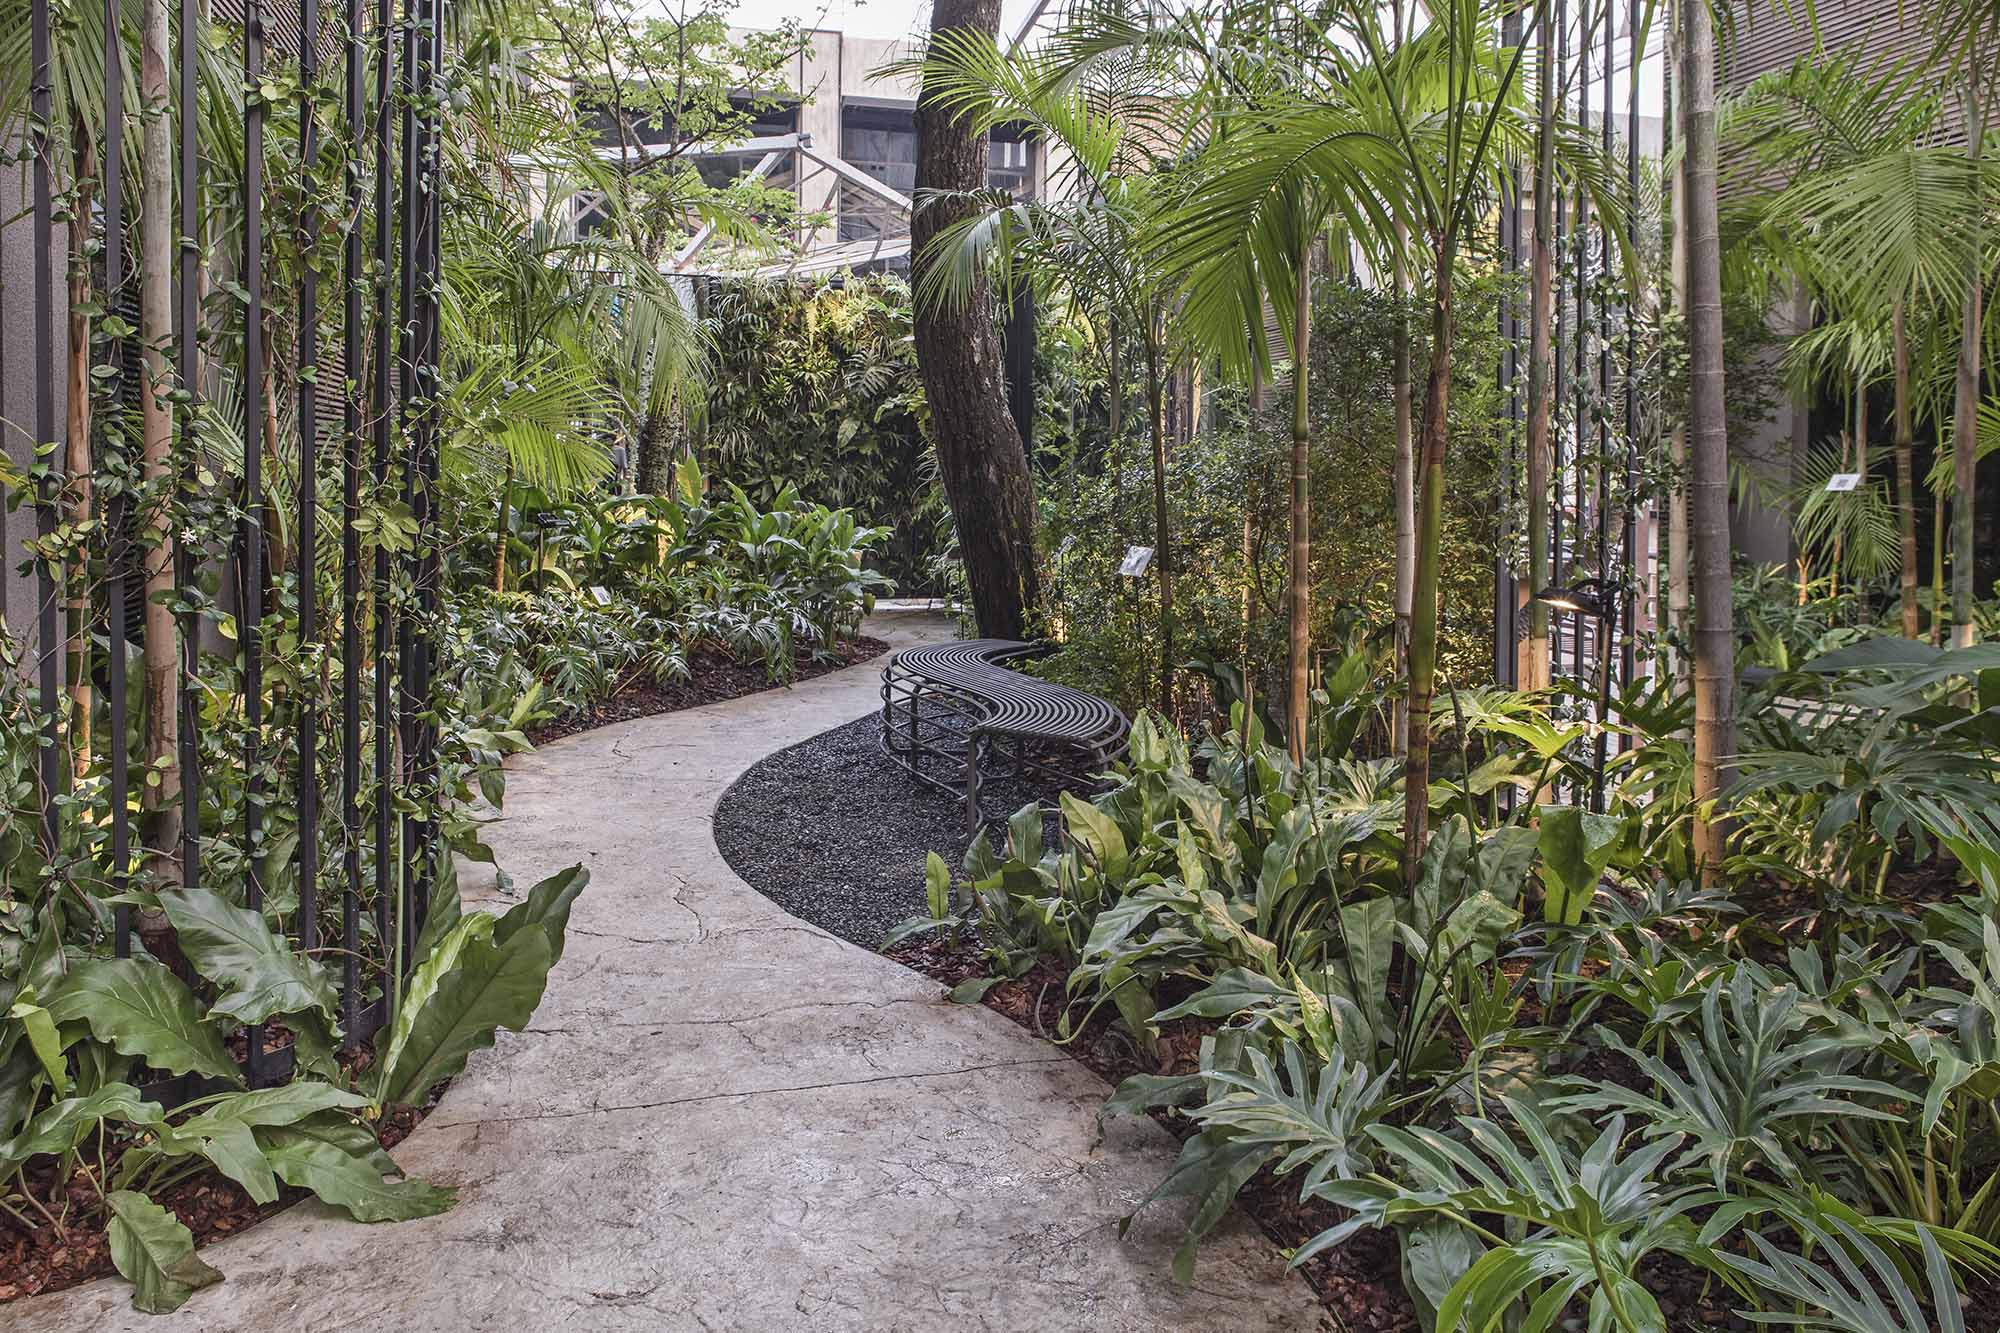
1232 992
1436 1254
1210 1170
62 1125
1099 834
455 1011
1368 928
259 974
1575 848
1504 859
973 991
341 1162
1140 1093
155 1253
43 1039
223 1131
937 886
140 1008
546 906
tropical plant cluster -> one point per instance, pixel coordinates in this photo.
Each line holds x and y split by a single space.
1554 1065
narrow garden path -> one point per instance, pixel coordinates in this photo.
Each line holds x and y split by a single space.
724 1118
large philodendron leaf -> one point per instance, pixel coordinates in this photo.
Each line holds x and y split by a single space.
485 973
341 1162
259 974
155 1253
141 1009
62 1125
1575 848
224 1131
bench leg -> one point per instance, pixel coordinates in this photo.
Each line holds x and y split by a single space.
972 820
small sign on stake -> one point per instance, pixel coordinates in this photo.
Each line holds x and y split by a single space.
1843 481
1138 559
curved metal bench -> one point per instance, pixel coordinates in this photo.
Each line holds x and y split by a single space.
949 708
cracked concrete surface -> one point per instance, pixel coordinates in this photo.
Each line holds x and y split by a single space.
722 1118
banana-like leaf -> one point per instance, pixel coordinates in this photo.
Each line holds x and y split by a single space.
64 1124
454 1010
223 1133
155 1253
142 1009
341 1162
231 946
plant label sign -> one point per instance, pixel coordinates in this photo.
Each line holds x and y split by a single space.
1843 481
1138 559
600 595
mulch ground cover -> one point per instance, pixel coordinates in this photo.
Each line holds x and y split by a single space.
713 676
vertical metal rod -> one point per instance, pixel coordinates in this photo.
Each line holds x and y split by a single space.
1606 566
385 847
428 570
1559 390
49 642
406 386
355 342
249 626
116 552
1628 584
306 395
1581 382
187 338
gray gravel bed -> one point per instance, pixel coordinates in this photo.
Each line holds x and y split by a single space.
835 833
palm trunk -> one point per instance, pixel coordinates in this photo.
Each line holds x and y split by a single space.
1299 596
1404 477
1906 492
1163 564
500 529
1424 598
1534 672
1249 535
1965 428
1708 484
76 455
161 653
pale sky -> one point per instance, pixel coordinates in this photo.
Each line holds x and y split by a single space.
860 18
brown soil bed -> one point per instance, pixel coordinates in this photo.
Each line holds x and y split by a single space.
208 1203
713 676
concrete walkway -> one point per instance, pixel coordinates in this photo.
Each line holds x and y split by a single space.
722 1118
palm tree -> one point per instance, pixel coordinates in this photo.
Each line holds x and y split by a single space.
1083 238
1708 439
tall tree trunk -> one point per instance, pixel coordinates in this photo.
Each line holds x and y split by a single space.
76 454
1965 427
1424 600
1299 594
980 457
500 529
1249 536
1403 476
1534 673
1163 551
161 654
654 461
1708 484
1906 486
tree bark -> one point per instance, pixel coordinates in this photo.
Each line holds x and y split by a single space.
980 456
1965 428
160 653
1906 487
1708 432
1403 476
76 454
1424 598
1534 673
1299 593
654 456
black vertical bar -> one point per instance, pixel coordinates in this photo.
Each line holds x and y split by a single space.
1628 586
251 530
350 541
114 435
48 630
428 574
406 387
1605 565
187 338
1505 660
385 848
1559 389
307 394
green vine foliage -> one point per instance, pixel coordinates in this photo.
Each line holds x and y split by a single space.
815 385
